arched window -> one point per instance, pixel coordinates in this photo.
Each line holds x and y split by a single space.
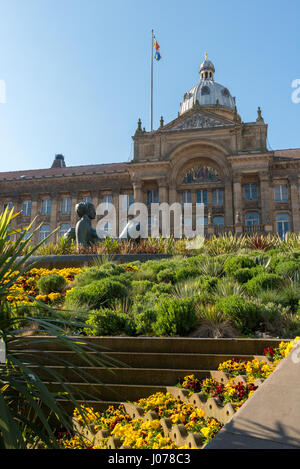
282 223
252 218
201 174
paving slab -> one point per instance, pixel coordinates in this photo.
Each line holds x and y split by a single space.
270 419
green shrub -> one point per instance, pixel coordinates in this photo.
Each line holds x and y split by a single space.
208 283
145 322
112 269
166 275
159 288
186 272
245 274
242 275
90 275
245 314
140 287
263 281
288 268
108 322
175 316
52 283
100 293
234 263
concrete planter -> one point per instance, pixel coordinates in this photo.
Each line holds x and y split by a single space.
81 260
212 406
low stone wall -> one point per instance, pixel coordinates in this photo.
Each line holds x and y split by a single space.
80 260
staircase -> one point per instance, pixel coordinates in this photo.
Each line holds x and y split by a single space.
141 365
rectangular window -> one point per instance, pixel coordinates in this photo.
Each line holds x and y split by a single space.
26 208
87 200
107 199
152 197
250 192
8 204
201 197
46 207
126 201
281 193
282 223
64 227
44 232
217 197
66 205
186 197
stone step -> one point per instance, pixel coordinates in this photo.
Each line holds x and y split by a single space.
106 392
148 376
168 345
135 360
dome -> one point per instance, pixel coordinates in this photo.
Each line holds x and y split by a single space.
207 92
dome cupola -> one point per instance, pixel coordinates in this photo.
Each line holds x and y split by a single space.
207 92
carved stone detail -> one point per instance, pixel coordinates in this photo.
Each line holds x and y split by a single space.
198 121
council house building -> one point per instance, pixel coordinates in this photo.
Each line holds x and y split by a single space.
206 155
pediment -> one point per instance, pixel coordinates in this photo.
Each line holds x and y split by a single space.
197 120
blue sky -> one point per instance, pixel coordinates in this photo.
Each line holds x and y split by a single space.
77 72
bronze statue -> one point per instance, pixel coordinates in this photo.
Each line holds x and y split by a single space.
84 234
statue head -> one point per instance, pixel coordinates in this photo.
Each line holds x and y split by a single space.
86 208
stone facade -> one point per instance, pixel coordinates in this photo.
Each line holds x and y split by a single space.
207 154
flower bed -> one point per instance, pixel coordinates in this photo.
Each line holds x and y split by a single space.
26 286
172 421
161 422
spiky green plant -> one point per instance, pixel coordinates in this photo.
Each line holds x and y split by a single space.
227 287
213 323
26 403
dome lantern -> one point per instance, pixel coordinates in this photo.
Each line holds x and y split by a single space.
207 69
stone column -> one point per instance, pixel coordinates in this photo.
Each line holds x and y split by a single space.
74 200
162 191
95 201
53 216
34 213
172 194
138 191
115 201
266 197
228 205
237 203
294 185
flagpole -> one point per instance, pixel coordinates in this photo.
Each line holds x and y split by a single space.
151 84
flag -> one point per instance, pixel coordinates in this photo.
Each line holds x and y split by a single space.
155 45
157 55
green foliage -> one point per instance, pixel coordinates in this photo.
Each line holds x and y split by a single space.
98 294
90 275
175 316
140 287
166 275
245 274
186 272
263 281
51 283
227 287
104 322
245 314
288 268
234 263
160 288
145 322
